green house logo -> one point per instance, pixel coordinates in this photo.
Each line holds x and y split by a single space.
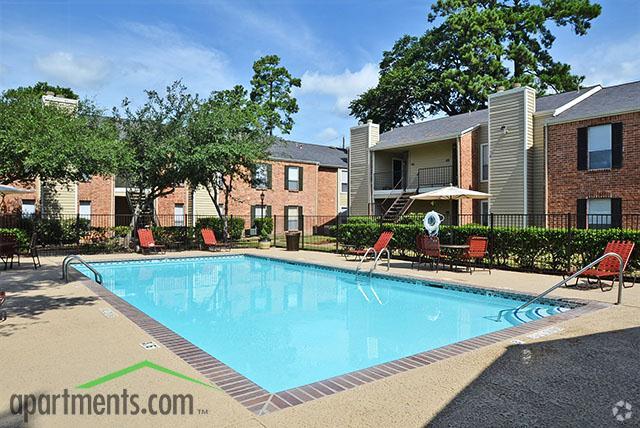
139 366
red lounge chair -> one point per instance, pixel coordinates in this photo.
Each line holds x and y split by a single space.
210 241
476 252
610 266
381 244
428 248
147 243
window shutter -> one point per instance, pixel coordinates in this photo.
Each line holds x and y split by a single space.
286 179
300 169
286 216
583 149
581 220
253 215
268 210
300 216
616 213
269 169
616 145
254 181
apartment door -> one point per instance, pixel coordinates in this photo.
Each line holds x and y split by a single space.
397 172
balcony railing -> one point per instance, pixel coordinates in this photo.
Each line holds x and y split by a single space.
385 181
435 177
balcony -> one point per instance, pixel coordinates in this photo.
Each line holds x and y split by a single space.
385 181
436 177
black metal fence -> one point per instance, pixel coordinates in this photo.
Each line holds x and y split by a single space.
111 233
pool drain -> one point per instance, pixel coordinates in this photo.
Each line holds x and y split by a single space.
149 345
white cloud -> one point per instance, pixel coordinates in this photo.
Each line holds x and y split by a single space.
83 71
327 134
115 62
610 63
344 86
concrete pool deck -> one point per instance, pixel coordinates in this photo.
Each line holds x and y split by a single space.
58 336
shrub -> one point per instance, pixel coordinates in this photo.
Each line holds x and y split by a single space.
530 248
265 227
121 231
20 235
236 226
171 235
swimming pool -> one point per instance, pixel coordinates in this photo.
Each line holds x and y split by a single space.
284 324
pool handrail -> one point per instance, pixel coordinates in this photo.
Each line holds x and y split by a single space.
577 274
67 261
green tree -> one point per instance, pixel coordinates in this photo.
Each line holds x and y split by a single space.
41 88
54 143
155 140
226 142
271 87
477 46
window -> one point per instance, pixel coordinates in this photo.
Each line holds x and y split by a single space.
260 211
262 177
293 178
292 217
599 146
599 213
28 207
484 213
484 162
85 210
344 181
178 214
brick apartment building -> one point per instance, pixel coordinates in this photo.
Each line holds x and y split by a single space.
576 152
297 180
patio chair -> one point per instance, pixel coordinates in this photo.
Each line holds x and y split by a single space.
210 241
32 251
8 249
610 266
359 253
147 243
428 248
477 251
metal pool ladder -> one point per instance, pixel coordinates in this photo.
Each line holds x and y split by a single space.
575 275
375 262
67 261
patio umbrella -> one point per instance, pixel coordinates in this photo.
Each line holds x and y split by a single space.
450 193
8 190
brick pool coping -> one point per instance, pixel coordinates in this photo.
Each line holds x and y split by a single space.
260 401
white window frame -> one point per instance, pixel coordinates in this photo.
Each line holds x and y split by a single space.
264 170
607 128
297 180
31 212
295 218
484 148
178 219
258 211
598 222
84 213
344 180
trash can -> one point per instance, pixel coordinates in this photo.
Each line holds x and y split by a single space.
293 241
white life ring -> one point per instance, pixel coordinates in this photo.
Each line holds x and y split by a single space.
432 222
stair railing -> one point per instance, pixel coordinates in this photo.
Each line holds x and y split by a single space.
577 274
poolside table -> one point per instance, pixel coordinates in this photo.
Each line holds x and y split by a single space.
454 250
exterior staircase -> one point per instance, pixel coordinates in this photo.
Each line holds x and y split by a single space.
147 215
399 206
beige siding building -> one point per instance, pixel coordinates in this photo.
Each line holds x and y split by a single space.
502 150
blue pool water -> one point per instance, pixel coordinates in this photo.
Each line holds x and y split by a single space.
284 325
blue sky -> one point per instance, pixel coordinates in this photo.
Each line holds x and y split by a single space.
107 50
